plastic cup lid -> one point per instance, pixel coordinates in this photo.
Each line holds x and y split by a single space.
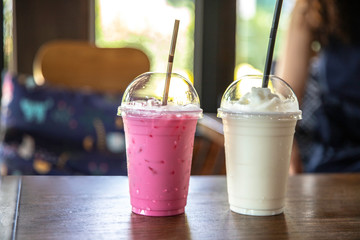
245 98
144 97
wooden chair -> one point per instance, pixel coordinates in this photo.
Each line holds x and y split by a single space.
77 73
81 65
76 64
209 153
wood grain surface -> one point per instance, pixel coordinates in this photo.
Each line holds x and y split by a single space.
9 199
78 207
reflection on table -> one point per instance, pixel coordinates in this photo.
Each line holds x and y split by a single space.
79 207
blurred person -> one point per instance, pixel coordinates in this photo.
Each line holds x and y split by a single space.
321 61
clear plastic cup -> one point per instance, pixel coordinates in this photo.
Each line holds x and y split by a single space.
159 142
259 126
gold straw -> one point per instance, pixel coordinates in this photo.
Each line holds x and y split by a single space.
170 62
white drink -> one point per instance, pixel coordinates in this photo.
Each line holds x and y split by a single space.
258 128
257 162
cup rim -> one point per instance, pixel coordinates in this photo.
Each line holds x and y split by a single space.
225 113
158 113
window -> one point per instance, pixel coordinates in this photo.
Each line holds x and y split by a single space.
148 25
8 34
254 19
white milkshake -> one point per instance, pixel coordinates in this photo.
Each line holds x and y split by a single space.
259 125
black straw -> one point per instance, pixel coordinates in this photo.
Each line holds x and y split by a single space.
271 45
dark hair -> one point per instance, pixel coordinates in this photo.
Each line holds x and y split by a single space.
334 19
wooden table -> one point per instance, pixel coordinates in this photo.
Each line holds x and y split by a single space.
78 207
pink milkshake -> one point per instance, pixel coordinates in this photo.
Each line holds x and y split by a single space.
159 144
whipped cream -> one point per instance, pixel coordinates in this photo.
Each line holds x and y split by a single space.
262 100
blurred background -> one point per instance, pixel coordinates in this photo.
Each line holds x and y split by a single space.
218 41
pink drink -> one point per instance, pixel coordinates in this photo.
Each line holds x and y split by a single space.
159 154
159 142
